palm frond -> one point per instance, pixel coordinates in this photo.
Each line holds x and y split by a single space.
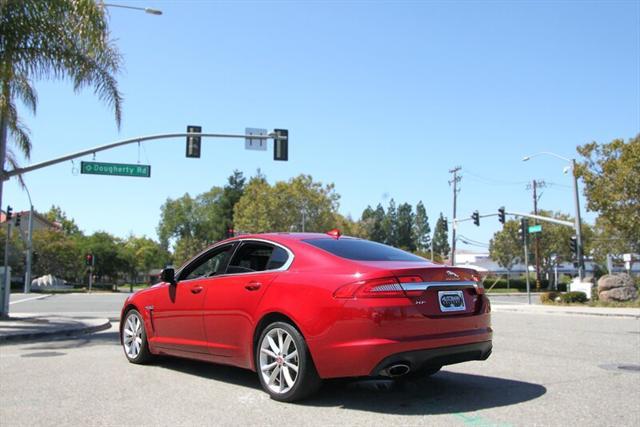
13 162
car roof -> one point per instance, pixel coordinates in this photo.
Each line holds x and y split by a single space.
284 237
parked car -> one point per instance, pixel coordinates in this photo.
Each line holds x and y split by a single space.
302 307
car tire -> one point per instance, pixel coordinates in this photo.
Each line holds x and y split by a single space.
133 336
284 364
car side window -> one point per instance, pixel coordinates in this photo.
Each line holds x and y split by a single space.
256 256
211 264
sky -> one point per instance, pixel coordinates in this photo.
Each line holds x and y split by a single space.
380 98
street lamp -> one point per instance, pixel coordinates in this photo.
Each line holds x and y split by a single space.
578 221
29 262
145 9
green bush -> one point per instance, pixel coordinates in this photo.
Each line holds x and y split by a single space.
549 297
520 284
569 297
564 298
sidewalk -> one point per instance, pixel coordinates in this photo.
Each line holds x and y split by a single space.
570 309
28 326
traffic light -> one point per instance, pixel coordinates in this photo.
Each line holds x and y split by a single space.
501 215
89 260
9 213
193 142
18 219
523 231
573 244
34 258
230 232
281 145
476 218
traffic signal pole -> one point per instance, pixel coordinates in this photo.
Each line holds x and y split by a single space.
6 291
526 263
578 221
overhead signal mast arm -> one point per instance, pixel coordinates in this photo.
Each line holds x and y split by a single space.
93 150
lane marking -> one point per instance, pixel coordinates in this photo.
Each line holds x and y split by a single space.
29 299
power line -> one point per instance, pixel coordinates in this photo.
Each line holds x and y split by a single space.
493 181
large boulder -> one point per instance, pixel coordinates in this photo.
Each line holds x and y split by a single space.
612 281
625 293
49 282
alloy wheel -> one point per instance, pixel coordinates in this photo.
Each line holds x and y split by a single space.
279 361
132 335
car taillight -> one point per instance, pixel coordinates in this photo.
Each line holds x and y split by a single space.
479 283
406 281
387 287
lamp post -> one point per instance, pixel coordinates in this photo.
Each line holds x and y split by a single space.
27 274
576 199
144 9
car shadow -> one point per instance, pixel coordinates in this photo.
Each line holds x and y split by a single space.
443 393
212 371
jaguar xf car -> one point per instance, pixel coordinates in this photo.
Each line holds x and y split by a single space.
298 308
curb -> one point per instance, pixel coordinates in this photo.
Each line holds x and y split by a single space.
81 329
495 308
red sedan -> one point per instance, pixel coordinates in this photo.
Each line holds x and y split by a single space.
301 307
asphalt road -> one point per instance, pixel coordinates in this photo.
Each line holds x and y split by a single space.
99 304
545 370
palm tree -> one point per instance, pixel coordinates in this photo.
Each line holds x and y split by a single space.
51 39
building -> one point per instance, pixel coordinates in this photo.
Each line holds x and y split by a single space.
40 222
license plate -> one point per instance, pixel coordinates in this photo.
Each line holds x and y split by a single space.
451 301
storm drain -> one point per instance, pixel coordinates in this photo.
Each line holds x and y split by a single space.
624 367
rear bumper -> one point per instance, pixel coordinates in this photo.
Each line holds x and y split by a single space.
436 356
367 333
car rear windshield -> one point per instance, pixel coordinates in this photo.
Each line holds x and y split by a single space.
362 250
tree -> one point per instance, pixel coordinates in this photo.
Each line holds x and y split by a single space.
58 254
57 215
51 39
440 240
142 254
422 230
178 220
231 194
405 229
608 240
611 177
390 225
377 233
108 257
505 247
16 250
254 212
286 205
367 221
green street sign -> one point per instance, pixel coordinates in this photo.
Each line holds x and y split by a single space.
118 169
535 228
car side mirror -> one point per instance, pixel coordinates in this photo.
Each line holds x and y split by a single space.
168 275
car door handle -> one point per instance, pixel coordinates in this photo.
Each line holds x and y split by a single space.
196 289
253 286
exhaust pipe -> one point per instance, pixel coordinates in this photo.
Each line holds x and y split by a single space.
396 370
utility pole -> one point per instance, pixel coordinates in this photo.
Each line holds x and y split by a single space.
454 181
534 186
